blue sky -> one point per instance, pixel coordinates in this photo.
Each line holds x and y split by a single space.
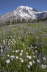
9 5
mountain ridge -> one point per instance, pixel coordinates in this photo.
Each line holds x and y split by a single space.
23 14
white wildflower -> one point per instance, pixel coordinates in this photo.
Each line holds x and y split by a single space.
12 57
44 58
9 40
8 61
8 55
17 57
21 51
29 32
31 46
14 40
29 57
21 60
33 62
1 50
36 51
17 51
30 63
38 60
28 66
43 66
35 46
20 54
4 42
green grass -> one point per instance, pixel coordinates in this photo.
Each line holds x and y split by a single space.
26 38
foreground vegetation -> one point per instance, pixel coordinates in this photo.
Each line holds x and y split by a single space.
23 48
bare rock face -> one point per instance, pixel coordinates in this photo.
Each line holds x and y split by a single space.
23 14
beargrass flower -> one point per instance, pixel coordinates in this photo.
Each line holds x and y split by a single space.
44 58
17 51
20 54
43 66
29 57
21 51
38 61
8 55
12 57
30 63
28 66
17 57
4 42
8 61
21 60
33 62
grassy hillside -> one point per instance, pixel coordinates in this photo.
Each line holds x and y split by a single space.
23 47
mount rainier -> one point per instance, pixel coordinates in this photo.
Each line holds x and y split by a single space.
23 14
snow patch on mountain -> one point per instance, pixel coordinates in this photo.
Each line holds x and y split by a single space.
24 12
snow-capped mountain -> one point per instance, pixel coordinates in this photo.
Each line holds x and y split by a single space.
23 14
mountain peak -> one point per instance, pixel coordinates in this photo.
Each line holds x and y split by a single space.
25 14
27 7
